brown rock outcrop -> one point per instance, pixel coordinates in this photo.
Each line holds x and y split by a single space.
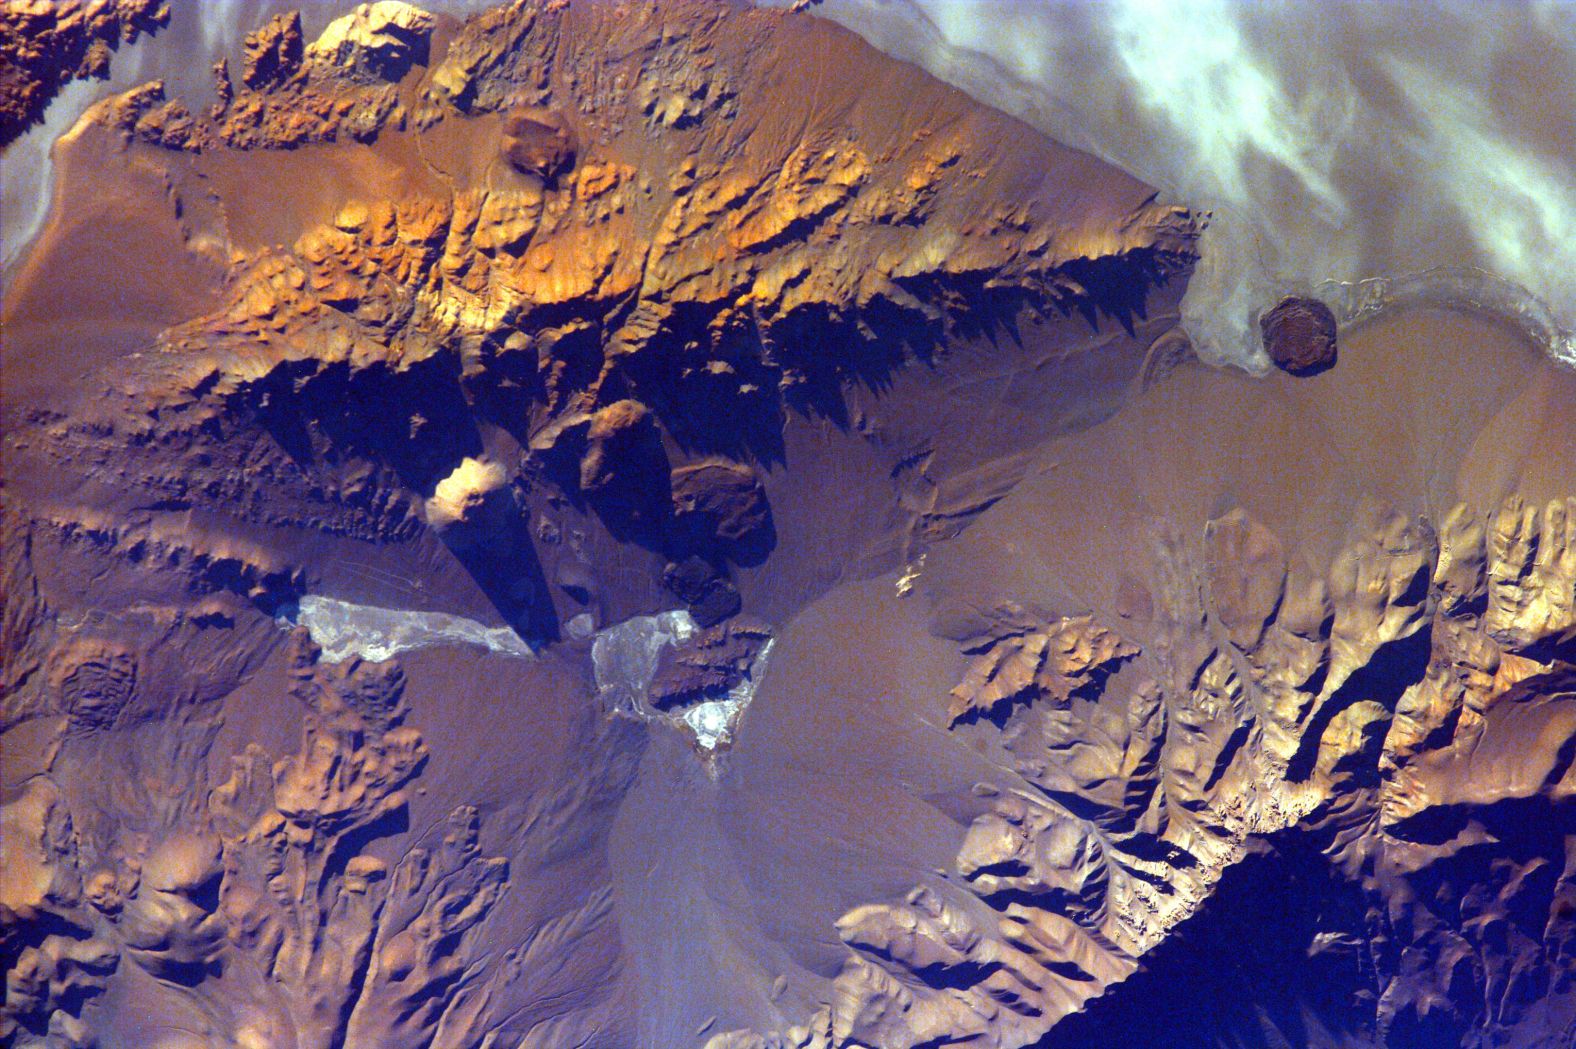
272 54
145 113
379 40
721 501
620 440
1055 662
707 664
344 84
709 595
1299 335
624 466
45 45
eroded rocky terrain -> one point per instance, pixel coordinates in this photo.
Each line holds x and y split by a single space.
659 525
46 45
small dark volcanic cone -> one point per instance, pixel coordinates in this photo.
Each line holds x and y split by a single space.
1299 336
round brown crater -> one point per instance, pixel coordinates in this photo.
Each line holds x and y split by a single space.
539 142
1299 335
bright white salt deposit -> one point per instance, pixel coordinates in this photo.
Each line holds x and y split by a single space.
344 630
712 721
624 658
